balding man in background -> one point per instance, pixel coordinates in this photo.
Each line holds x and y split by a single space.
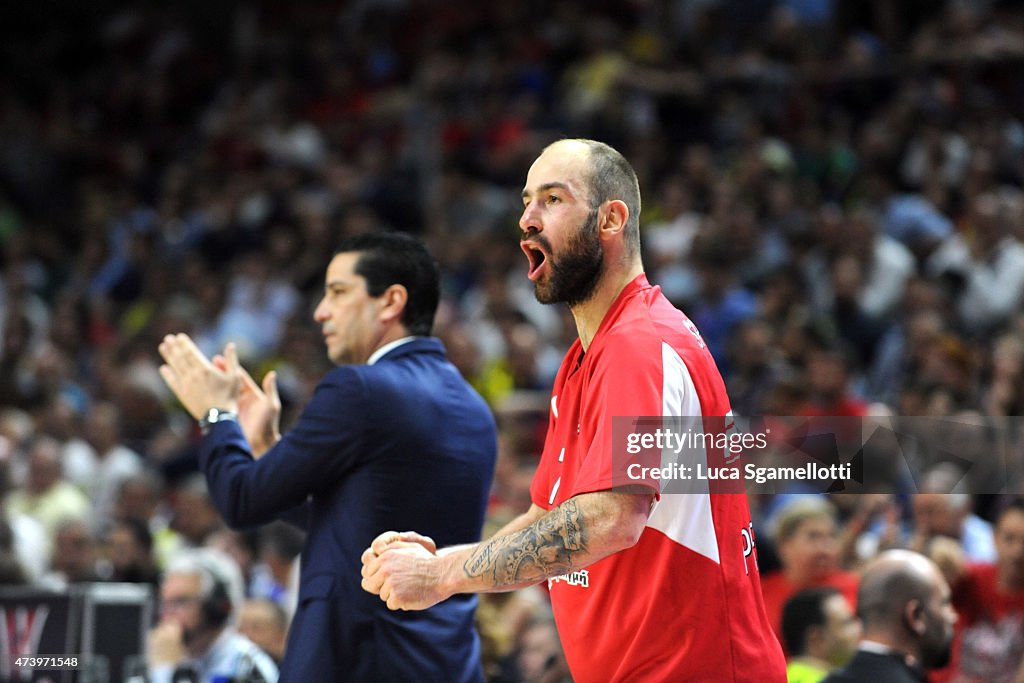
904 605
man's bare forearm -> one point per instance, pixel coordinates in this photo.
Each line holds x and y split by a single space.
522 521
548 547
579 532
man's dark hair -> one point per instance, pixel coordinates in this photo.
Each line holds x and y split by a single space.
803 611
394 258
612 177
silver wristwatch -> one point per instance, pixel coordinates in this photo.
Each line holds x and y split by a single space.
214 415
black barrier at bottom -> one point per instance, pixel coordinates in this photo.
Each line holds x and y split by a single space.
93 633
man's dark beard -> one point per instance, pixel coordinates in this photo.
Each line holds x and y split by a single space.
576 272
936 655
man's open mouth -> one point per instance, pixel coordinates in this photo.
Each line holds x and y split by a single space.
537 258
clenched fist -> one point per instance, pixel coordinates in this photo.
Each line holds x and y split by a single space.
405 571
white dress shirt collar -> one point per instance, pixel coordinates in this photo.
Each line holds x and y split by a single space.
390 346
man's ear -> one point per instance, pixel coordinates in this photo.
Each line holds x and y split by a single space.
393 301
913 617
616 214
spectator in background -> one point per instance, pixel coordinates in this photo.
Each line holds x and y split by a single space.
11 571
904 605
503 619
265 623
723 302
989 597
130 552
195 517
63 420
1004 390
884 265
984 267
280 545
138 497
820 633
47 497
856 276
908 218
244 548
259 302
828 384
53 376
539 657
887 264
112 461
939 512
73 559
756 366
668 238
806 540
899 356
873 522
948 376
14 366
30 543
195 637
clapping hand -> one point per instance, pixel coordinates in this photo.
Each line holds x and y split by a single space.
259 409
197 383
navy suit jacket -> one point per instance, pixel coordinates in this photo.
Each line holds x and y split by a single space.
403 444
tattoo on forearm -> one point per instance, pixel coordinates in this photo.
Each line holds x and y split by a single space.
546 548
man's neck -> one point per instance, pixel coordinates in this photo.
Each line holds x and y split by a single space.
387 347
886 643
393 334
590 313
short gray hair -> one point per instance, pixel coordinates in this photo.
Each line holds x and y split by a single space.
211 566
793 514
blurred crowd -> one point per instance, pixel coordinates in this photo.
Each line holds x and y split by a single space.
834 192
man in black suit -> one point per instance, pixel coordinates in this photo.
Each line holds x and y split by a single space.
393 438
904 604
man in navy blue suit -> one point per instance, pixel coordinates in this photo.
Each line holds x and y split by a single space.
393 438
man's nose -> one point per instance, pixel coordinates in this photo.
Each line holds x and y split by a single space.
320 313
529 222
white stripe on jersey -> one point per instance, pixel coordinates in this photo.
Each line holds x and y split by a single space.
684 517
